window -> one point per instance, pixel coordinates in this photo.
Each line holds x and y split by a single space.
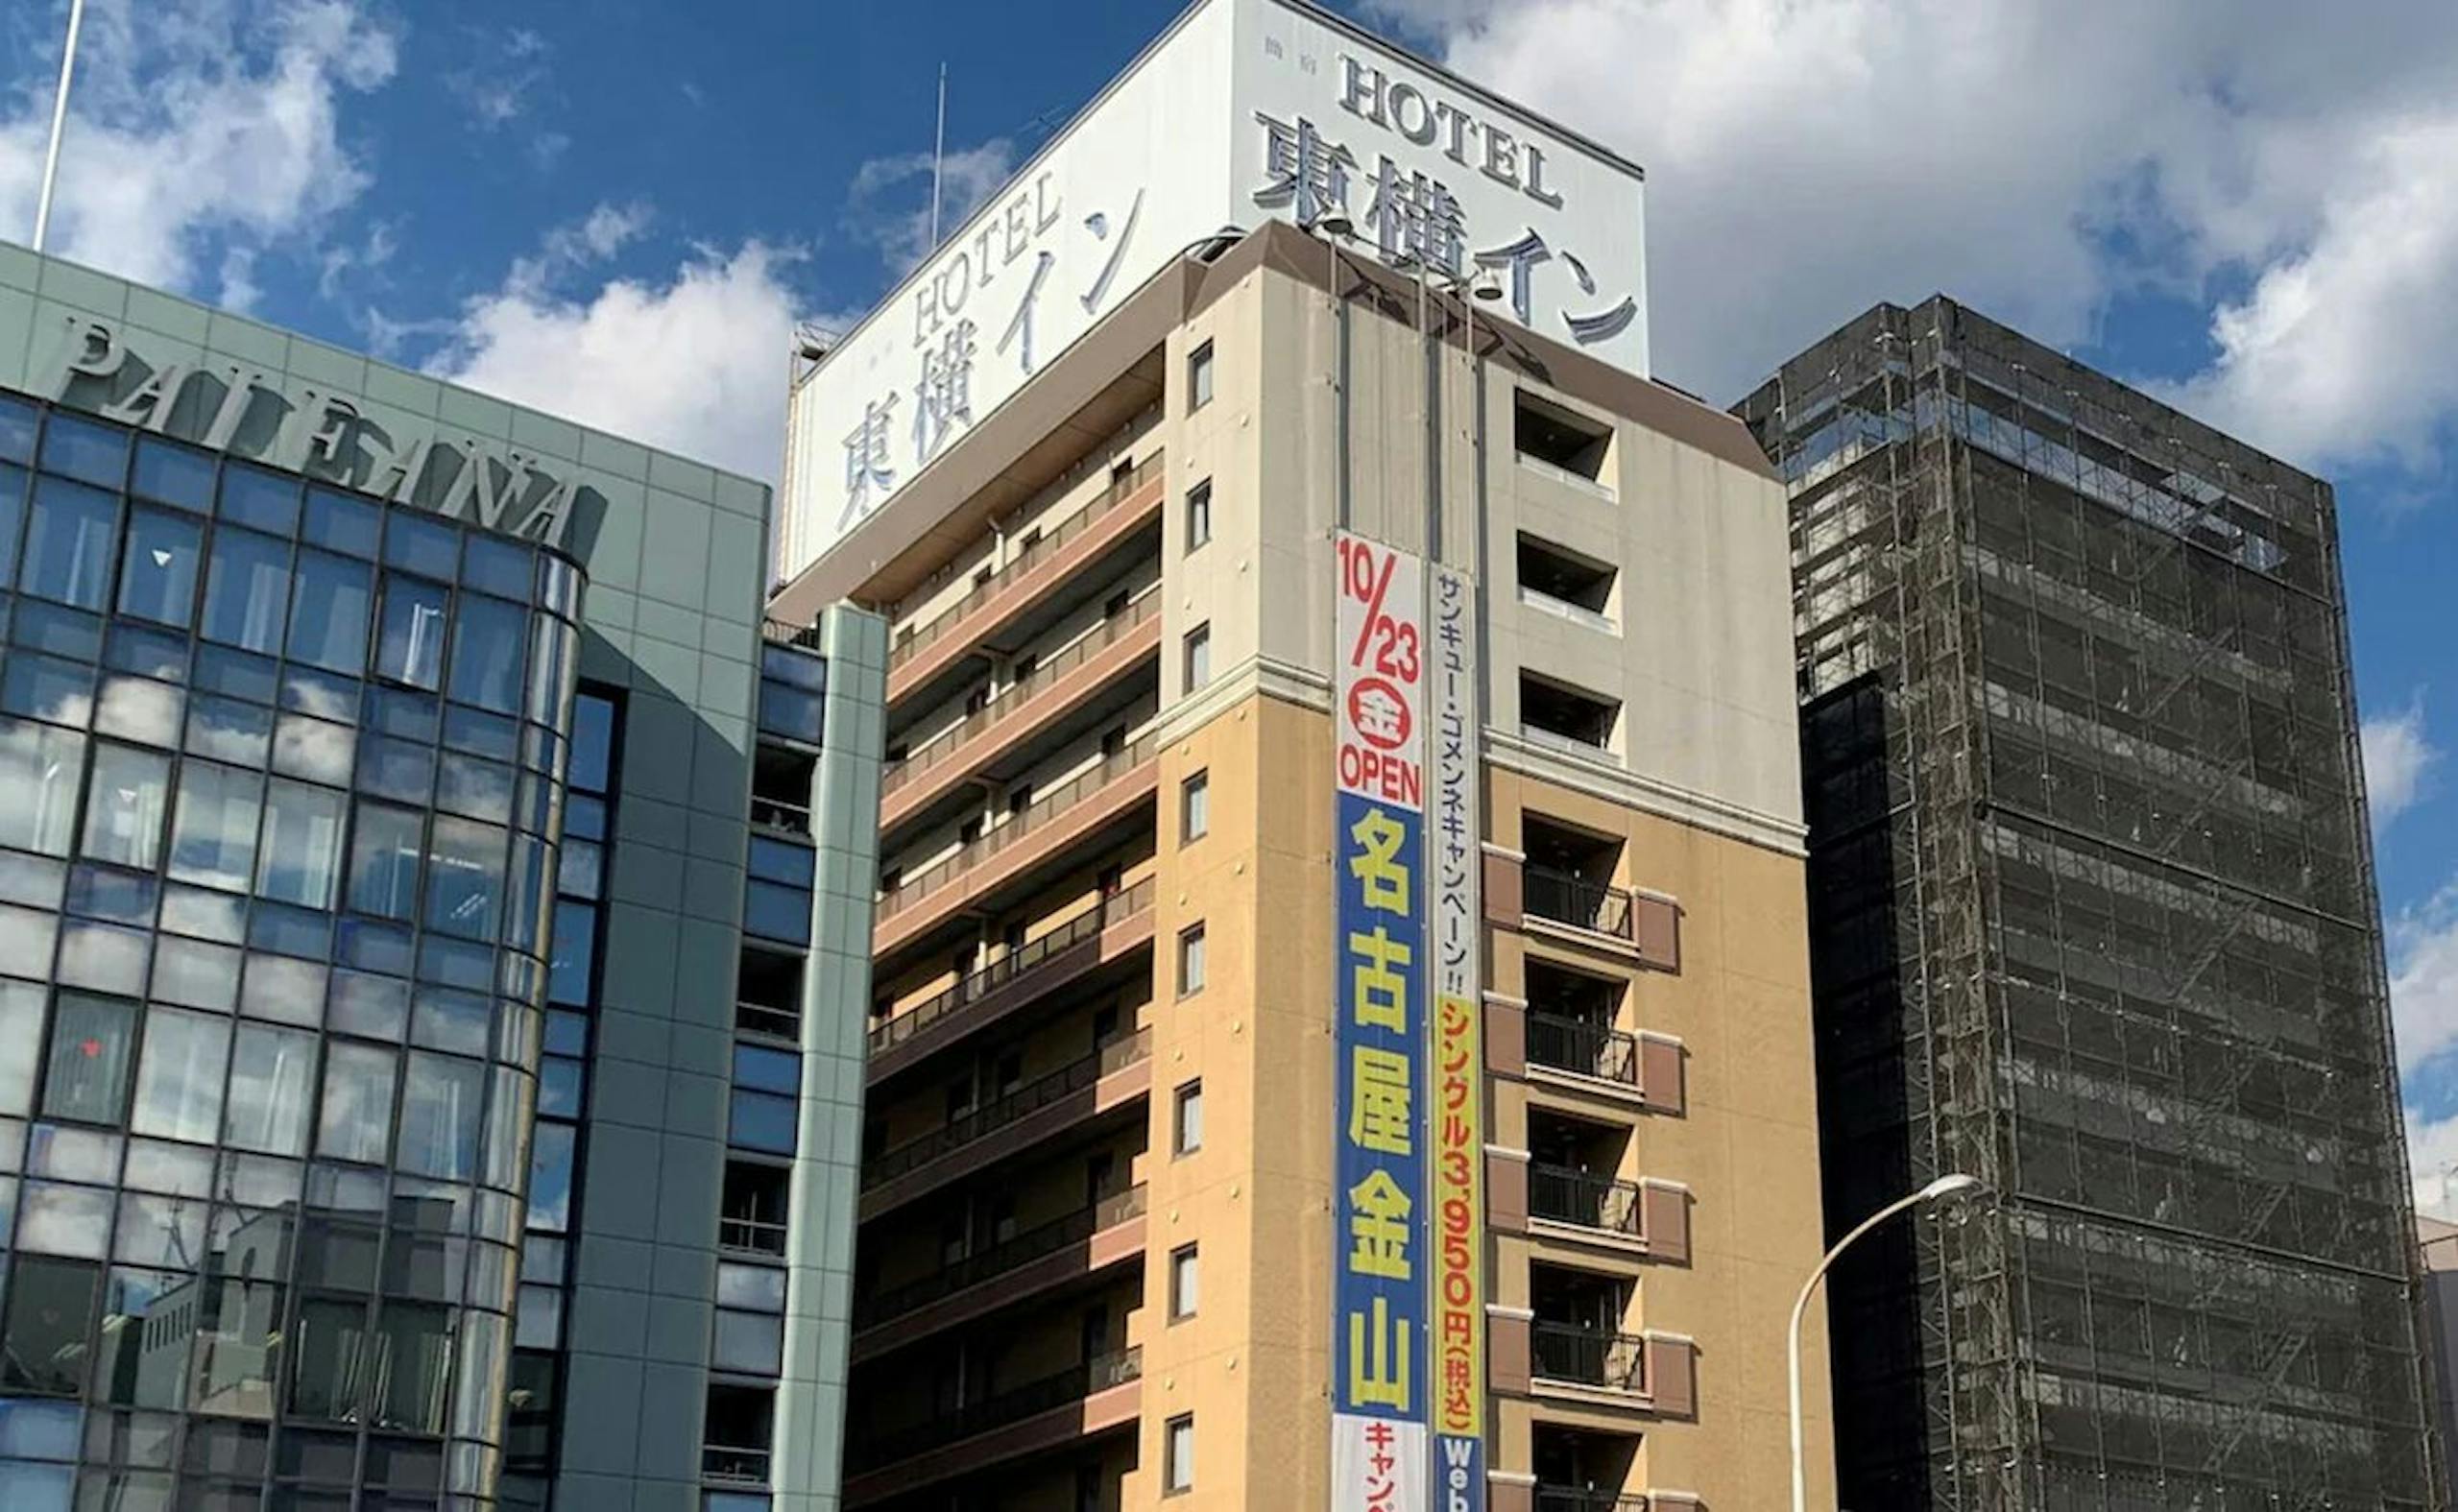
1177 1455
68 545
1182 1283
488 637
1558 716
300 862
1199 377
271 1073
1190 960
1187 1117
552 1149
1198 657
158 571
329 608
179 1082
123 808
751 1214
384 860
441 1098
1198 515
38 769
50 1304
359 1103
213 836
1565 583
90 1040
247 591
1544 432
464 877
1194 807
410 648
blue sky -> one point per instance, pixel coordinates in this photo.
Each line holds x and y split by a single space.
617 210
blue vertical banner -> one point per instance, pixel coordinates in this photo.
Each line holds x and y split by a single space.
1456 1127
1383 1254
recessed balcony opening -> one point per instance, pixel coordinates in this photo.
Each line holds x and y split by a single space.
1577 1145
735 1440
1573 1022
1564 581
1544 431
768 994
1569 877
781 781
1564 717
752 1209
1578 1470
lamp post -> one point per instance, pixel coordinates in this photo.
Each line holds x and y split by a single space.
1936 1190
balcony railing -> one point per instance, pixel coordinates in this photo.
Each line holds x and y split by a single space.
1019 962
908 646
1589 1357
777 1024
998 1259
1583 1047
989 1118
943 746
1573 1498
1562 1195
735 1465
1564 742
750 1235
1545 603
786 634
775 813
1567 898
870 1450
1039 813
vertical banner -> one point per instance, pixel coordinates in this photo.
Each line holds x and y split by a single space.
1382 1264
1457 1122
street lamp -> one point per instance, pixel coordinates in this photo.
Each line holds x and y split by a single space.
1937 1190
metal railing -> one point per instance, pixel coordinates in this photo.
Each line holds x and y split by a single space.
778 1023
870 1450
1563 1195
775 813
1019 962
1573 1498
1567 898
1582 1046
991 1117
1042 811
1563 741
908 646
998 1259
734 1464
784 632
942 746
750 1235
1589 1357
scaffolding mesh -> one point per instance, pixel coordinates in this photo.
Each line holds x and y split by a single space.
2093 919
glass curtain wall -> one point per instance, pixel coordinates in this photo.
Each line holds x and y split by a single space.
282 796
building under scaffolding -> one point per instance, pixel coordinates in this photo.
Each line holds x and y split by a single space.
2093 919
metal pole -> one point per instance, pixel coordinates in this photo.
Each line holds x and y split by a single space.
938 156
58 124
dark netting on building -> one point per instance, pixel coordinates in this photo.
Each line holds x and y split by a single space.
2092 918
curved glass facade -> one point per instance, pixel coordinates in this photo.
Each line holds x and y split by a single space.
281 795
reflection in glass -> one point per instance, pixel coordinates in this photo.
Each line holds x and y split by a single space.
124 806
89 1053
20 1048
193 972
214 840
58 1219
157 568
229 730
270 1070
69 542
410 648
140 1309
104 957
359 1103
333 1361
173 474
372 1007
300 862
400 770
479 789
486 653
281 987
238 1328
342 522
550 1177
464 879
13 484
384 861
328 605
139 709
47 688
159 1231
441 1100
178 1081
575 953
42 1341
450 1020
257 496
38 769
246 588
314 748
749 1342
413 1353
553 668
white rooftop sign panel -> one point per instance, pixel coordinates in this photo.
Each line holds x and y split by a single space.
1245 110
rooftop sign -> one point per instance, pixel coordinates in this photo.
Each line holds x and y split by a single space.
1244 110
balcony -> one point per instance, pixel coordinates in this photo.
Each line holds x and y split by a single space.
734 1465
1114 1075
1573 1498
1051 828
1583 1047
1584 1200
1591 1358
1054 1412
1567 898
1103 933
1042 697
1031 575
1079 1245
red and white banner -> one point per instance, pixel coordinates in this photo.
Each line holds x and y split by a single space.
1379 687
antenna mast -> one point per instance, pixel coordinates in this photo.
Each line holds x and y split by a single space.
938 156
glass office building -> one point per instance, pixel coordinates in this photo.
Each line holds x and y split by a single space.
378 853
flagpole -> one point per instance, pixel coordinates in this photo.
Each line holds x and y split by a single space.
938 156
58 124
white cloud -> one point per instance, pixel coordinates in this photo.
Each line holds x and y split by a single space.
2034 158
2398 758
888 202
2423 979
2432 1158
200 134
695 363
504 72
